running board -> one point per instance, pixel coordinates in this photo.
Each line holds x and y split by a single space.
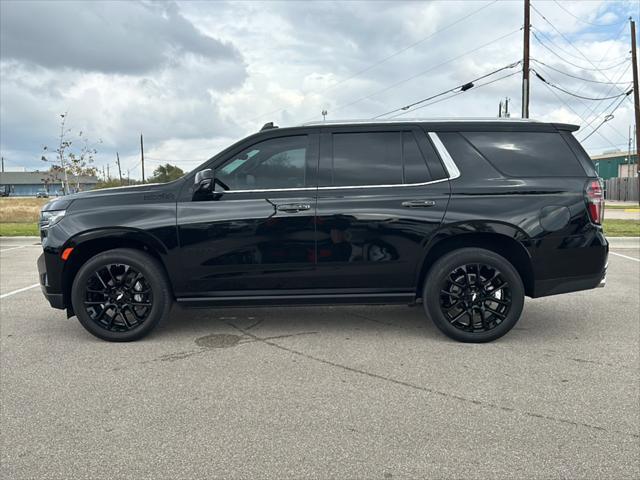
295 300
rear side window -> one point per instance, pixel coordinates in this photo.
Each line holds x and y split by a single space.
527 154
367 158
376 158
414 166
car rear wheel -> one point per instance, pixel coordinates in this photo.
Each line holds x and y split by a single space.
473 295
121 295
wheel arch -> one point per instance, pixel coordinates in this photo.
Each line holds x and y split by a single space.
507 244
89 244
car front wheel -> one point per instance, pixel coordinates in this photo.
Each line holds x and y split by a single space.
473 295
121 295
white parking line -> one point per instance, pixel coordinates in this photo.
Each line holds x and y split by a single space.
11 248
624 256
8 294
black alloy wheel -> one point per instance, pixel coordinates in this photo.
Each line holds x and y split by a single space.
118 298
473 295
121 295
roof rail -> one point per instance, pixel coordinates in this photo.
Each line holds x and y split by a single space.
268 126
419 120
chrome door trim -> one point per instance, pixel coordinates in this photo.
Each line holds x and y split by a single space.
449 164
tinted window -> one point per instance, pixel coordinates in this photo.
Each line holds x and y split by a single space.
415 168
523 154
367 158
275 163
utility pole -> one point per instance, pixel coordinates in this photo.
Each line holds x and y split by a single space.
119 169
2 164
525 61
128 177
108 173
142 156
500 109
636 95
61 149
104 176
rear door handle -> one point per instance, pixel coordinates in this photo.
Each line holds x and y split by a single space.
418 203
293 207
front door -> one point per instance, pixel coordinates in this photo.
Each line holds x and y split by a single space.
258 237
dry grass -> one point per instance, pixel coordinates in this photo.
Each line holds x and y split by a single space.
20 210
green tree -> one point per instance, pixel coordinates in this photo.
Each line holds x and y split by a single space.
166 173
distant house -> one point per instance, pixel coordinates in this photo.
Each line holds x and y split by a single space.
616 164
27 184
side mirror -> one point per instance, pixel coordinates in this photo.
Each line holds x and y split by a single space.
203 181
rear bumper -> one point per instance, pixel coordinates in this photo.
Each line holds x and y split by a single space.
55 299
556 286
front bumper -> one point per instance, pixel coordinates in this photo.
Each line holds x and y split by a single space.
55 299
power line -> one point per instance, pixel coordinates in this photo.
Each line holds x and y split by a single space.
551 41
540 42
585 122
424 72
389 57
576 95
464 87
592 110
586 22
456 94
568 41
575 112
606 119
576 77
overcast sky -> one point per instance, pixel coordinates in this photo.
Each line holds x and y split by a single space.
197 76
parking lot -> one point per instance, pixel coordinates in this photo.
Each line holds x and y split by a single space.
344 392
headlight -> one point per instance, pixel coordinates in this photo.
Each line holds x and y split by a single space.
49 218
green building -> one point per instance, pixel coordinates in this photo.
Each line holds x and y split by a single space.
616 164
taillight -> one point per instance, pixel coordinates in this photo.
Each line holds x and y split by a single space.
594 196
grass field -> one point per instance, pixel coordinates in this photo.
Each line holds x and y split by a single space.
622 228
19 216
20 210
621 207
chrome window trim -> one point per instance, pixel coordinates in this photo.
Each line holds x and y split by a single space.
450 166
337 187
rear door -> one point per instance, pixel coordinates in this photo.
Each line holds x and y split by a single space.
382 194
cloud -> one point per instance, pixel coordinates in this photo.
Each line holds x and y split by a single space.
103 36
196 76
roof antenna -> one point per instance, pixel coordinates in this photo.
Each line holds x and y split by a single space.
268 126
324 115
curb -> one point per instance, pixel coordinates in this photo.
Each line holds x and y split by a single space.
11 237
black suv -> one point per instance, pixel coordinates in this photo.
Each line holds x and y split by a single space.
466 216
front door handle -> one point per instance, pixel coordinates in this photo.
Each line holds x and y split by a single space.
293 207
419 203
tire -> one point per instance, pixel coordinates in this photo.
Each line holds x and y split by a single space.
464 304
121 295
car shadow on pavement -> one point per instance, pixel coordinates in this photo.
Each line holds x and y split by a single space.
400 319
539 322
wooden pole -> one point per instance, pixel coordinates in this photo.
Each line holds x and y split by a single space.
636 97
119 168
525 60
142 156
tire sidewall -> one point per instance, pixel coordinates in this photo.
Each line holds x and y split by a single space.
153 274
445 265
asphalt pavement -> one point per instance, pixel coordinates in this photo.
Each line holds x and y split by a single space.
332 392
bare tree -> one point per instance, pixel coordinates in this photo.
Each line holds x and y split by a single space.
78 161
